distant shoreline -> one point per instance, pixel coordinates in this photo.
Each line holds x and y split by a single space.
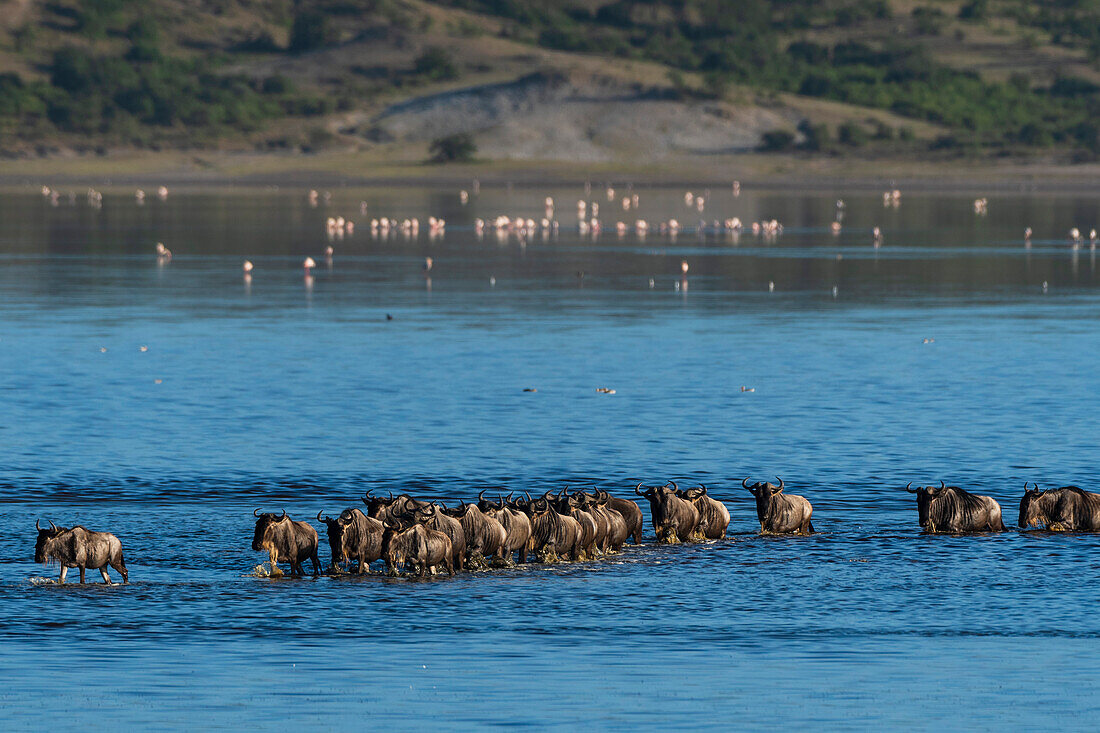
359 169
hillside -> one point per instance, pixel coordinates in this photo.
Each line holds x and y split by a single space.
558 80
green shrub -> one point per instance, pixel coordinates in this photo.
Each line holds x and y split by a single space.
459 147
435 64
310 31
852 134
777 140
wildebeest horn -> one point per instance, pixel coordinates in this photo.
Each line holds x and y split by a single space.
781 484
913 491
674 485
942 485
368 494
481 495
638 488
255 512
391 497
284 516
528 493
703 488
52 525
40 529
745 483
319 515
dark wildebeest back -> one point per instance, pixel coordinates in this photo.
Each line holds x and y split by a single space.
426 548
674 519
950 509
78 547
780 513
714 518
1069 509
285 539
353 536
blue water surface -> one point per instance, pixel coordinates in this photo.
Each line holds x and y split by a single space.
952 351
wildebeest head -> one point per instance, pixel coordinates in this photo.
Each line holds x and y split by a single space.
760 489
456 512
264 522
44 536
378 506
925 496
487 505
521 505
1032 512
696 492
337 530
393 549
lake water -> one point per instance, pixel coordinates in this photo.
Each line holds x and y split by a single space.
300 394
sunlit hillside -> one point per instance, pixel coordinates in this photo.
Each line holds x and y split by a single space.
558 80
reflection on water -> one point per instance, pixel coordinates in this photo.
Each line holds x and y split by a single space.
939 354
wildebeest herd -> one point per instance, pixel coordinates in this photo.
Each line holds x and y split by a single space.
427 537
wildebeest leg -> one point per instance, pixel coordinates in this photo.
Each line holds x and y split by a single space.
64 572
316 564
120 566
106 578
82 569
807 528
523 553
273 557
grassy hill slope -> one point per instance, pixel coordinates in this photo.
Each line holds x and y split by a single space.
553 80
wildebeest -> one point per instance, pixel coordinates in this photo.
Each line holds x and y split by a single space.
950 509
631 513
1068 509
517 527
674 519
553 535
285 539
425 548
353 536
392 506
484 535
714 518
780 513
77 547
569 507
405 507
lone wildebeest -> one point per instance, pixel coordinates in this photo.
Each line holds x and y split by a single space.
285 539
1068 509
952 510
780 513
414 543
674 519
77 547
353 536
714 518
